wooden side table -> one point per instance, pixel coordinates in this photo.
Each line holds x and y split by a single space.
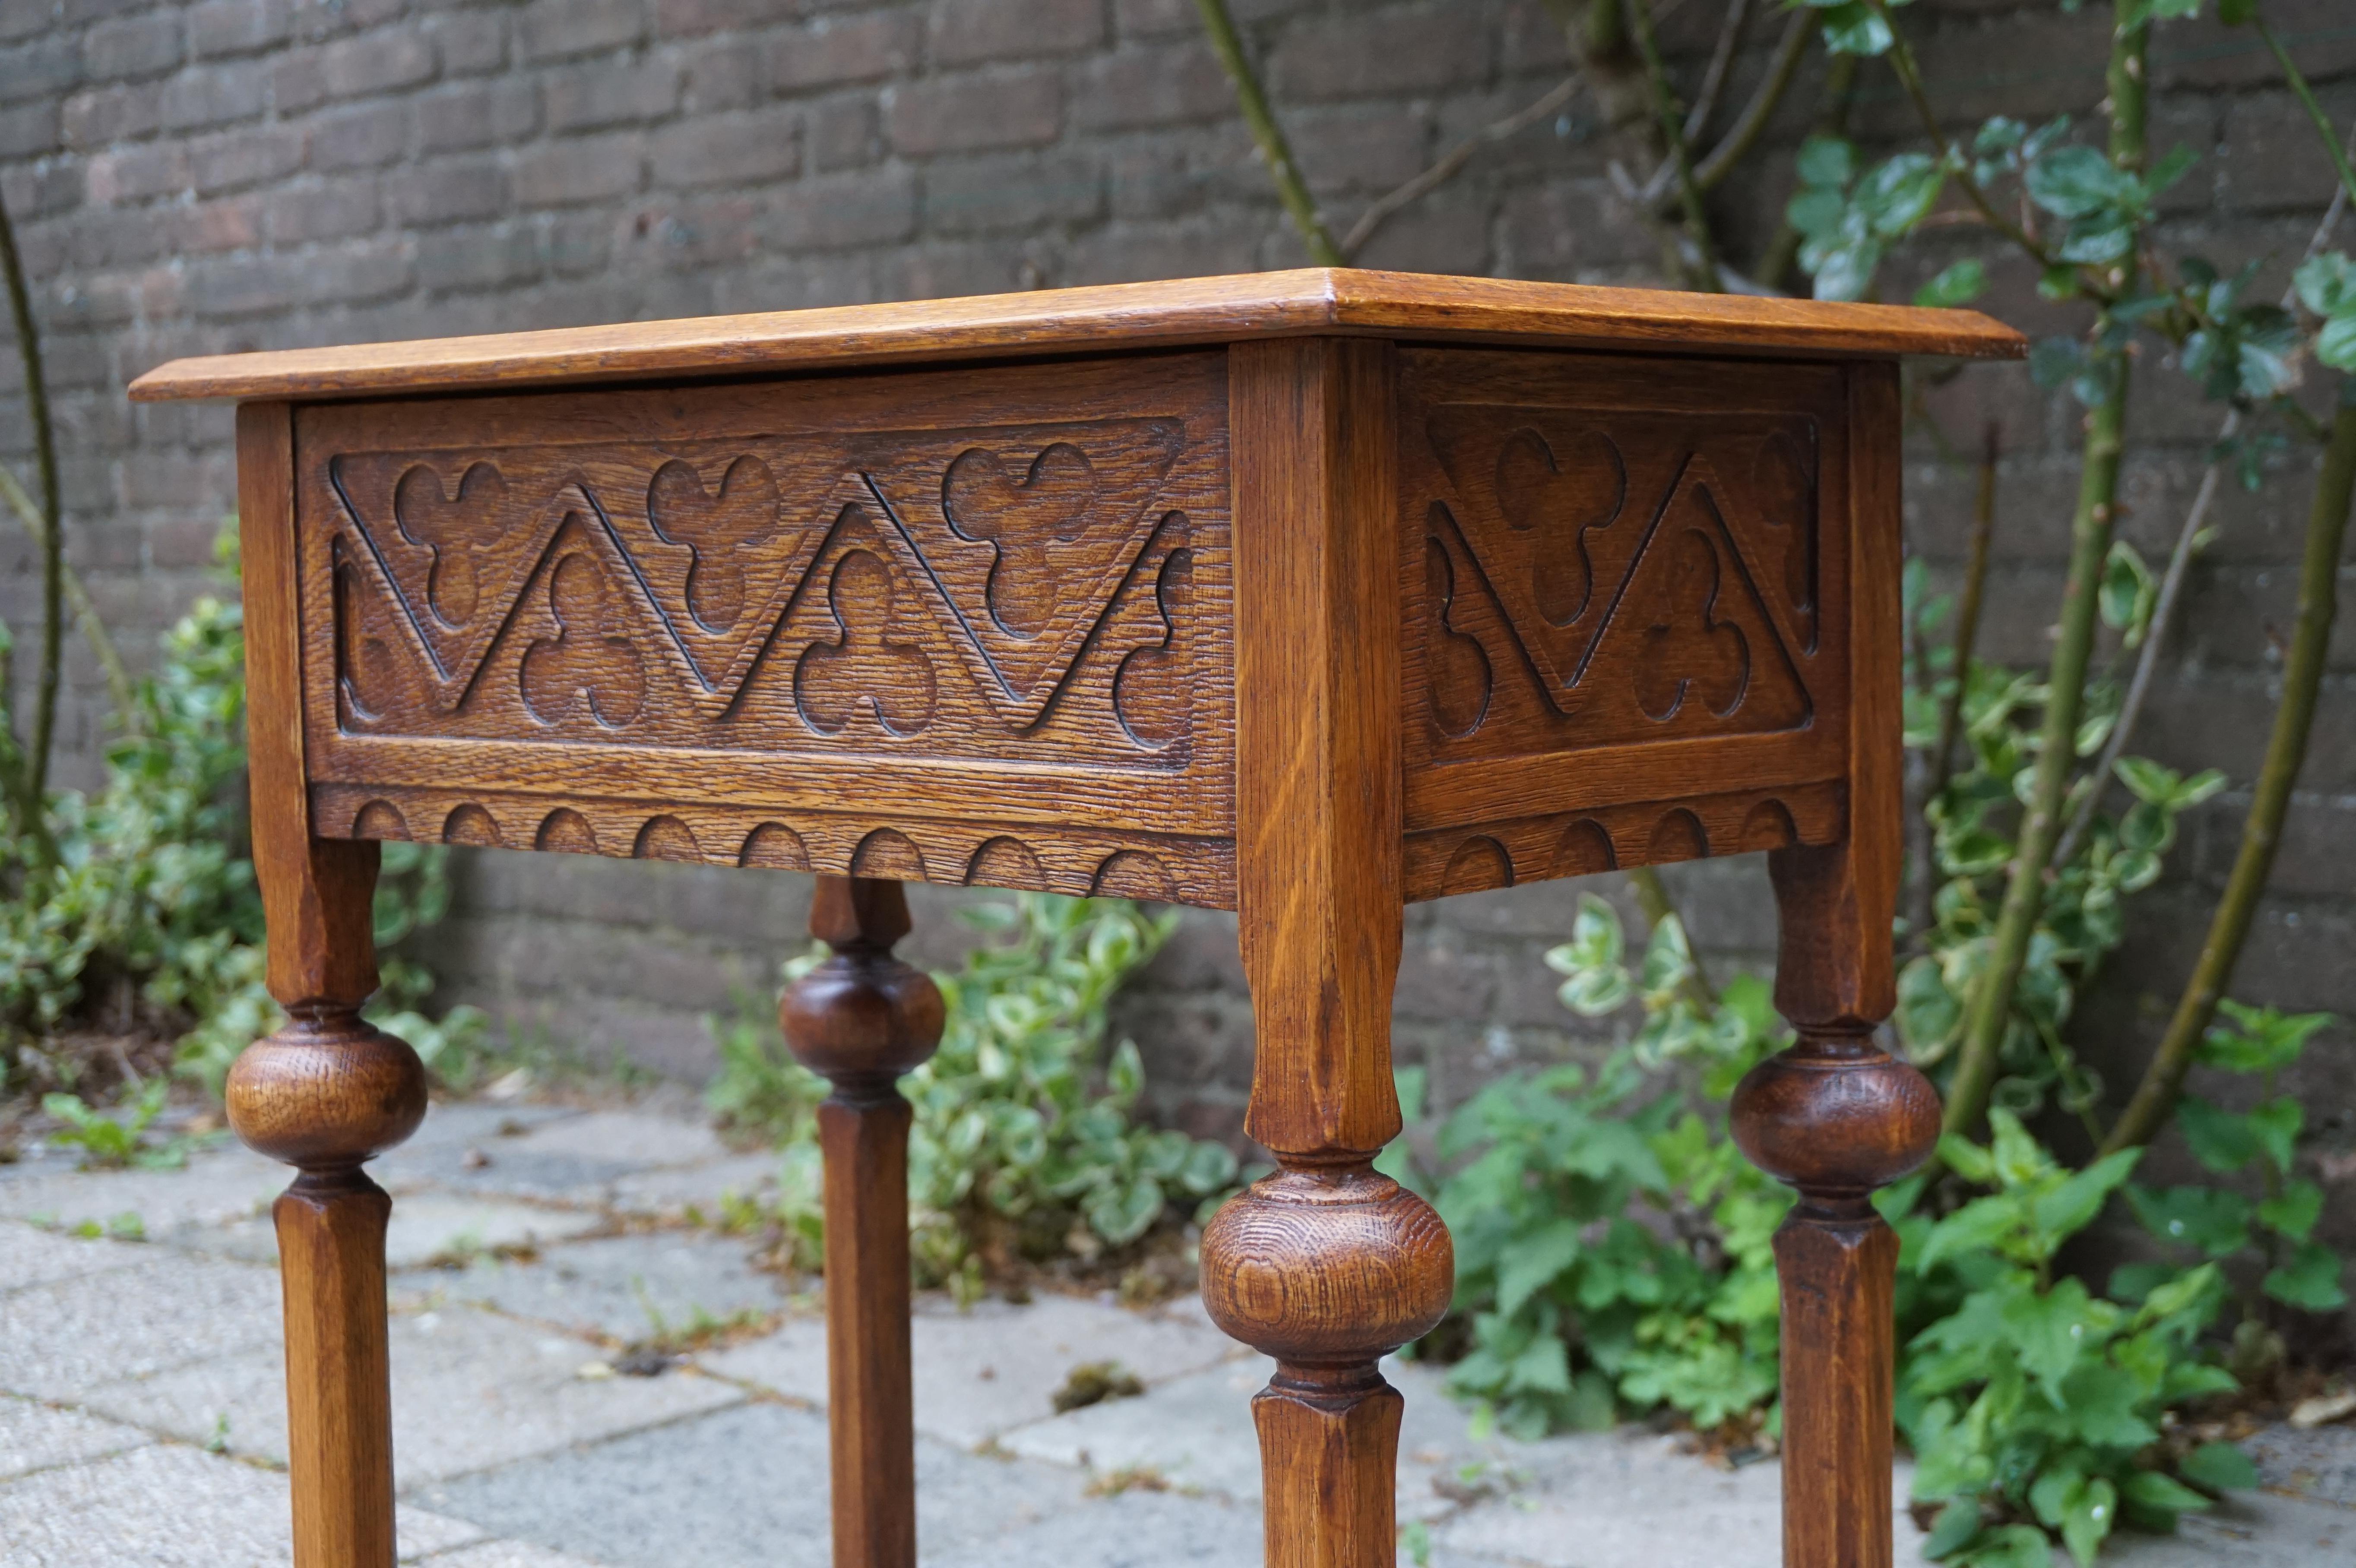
1305 594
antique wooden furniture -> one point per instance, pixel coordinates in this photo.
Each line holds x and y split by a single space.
1305 594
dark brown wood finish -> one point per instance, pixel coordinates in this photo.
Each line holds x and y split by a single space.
861 1020
1326 1265
1835 1115
1390 587
327 1091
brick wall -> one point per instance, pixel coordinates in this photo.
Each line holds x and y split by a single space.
241 173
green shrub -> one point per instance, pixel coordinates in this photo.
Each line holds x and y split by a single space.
143 890
1022 1147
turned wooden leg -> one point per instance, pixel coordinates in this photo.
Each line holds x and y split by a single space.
862 1018
1837 1117
324 1093
1326 1265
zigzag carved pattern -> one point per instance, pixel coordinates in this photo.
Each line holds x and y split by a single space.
1603 557
1049 587
904 848
1654 833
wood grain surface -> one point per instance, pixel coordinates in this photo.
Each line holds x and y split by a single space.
1835 1115
1410 306
997 599
1626 589
862 1018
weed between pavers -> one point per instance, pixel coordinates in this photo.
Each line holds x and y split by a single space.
1093 1382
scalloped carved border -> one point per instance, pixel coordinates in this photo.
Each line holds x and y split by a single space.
1028 856
1653 833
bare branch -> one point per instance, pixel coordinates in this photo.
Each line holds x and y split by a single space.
1765 99
1452 162
1721 65
1700 268
85 613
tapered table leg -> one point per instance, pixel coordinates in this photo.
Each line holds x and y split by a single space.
1837 1117
323 1094
1326 1265
328 1091
862 1018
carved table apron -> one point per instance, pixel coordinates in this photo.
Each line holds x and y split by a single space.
1304 594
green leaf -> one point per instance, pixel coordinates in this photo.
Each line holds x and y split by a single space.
1536 1261
2128 590
2071 1207
2209 1218
2310 1280
2326 283
1958 285
2275 1125
2078 182
2237 13
2160 11
1827 162
1958 1526
2336 344
1899 194
1856 29
2294 1210
2219 1468
2163 1495
2219 1139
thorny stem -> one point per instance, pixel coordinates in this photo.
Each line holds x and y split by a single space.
2229 925
1909 77
1989 1015
85 613
1702 268
1968 608
1290 187
2298 80
32 779
2172 589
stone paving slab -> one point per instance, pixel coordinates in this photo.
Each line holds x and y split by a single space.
577 1159
743 1489
469 1391
985 1371
220 1184
30 1255
61 1339
630 1288
36 1437
705 1188
1132 1529
1196 1433
2319 1464
170 1506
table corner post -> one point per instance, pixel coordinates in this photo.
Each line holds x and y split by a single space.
1326 1265
860 1020
1837 1117
327 1091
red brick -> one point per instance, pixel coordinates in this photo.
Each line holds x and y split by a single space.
844 133
1157 18
725 150
101 115
965 32
839 211
380 61
1395 51
51 63
132 48
368 136
473 115
578 169
213 95
331 210
138 173
448 190
250 156
973 113
235 26
470 43
835 50
590 97
695 18
1003 194
723 74
1170 85
29 130
554 30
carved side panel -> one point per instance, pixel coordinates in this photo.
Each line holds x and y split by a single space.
994 595
1623 582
